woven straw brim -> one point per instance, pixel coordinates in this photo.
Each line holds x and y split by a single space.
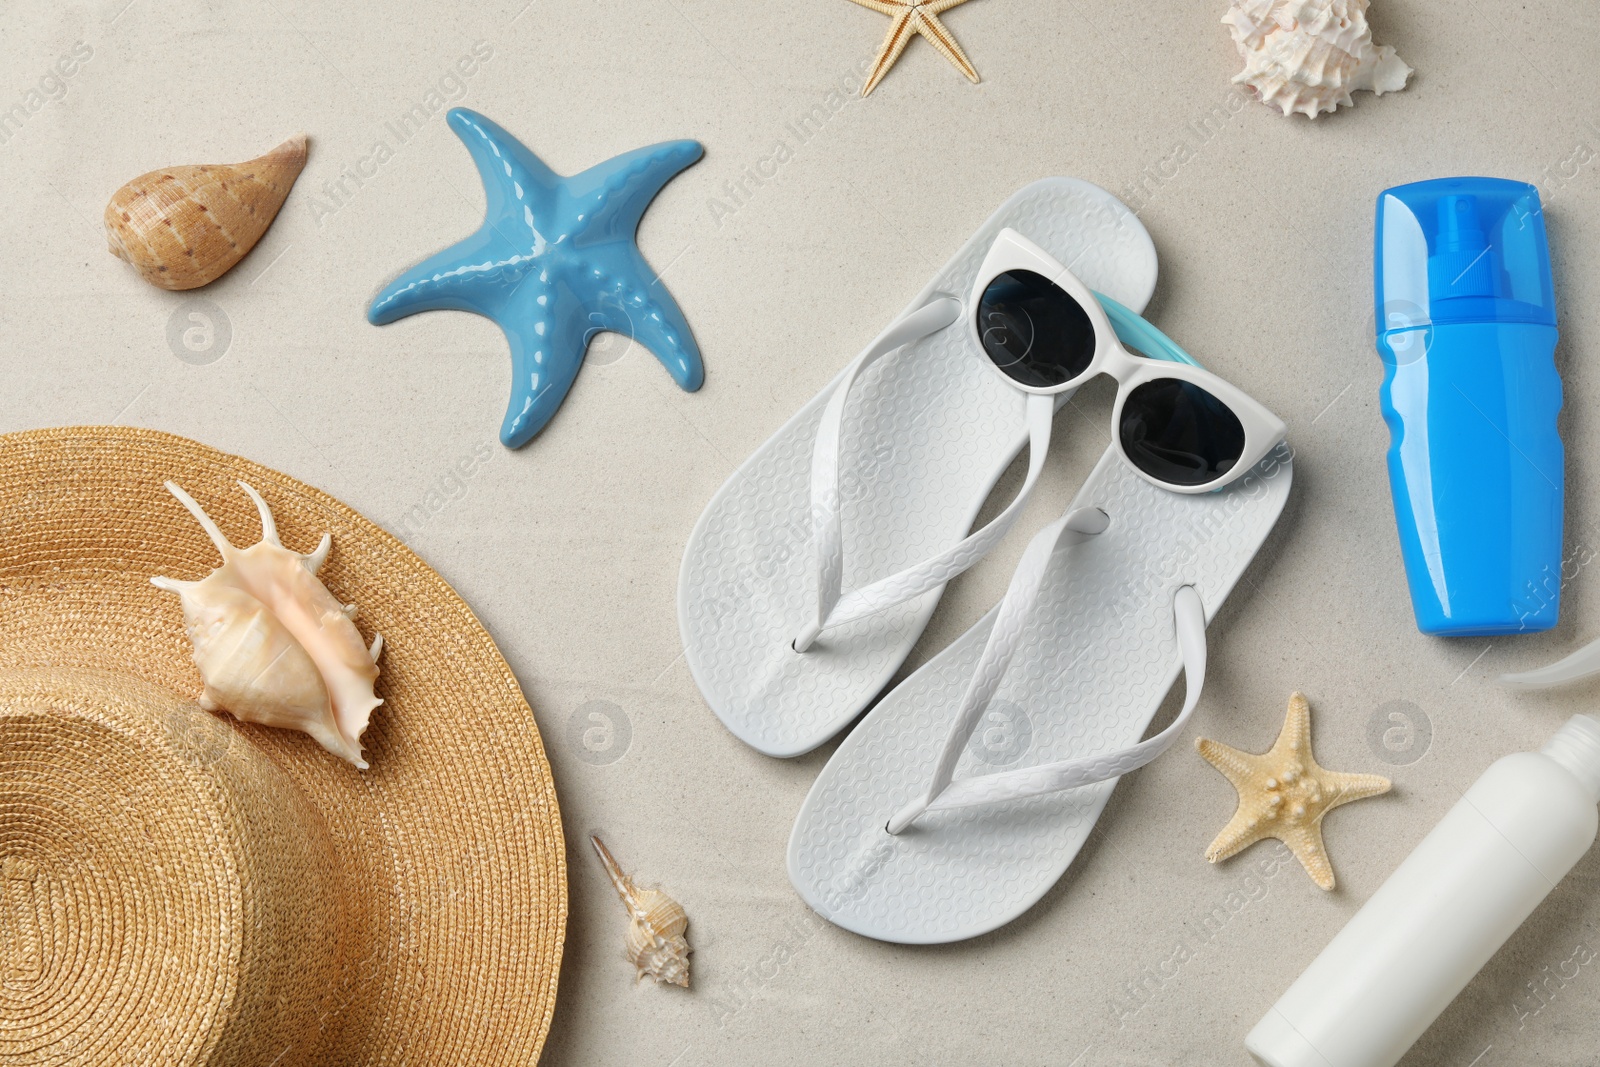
451 842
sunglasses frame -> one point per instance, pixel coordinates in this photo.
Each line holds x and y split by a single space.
1011 251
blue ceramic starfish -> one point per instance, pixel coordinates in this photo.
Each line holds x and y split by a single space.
553 264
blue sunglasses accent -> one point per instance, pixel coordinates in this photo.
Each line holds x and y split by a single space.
1139 335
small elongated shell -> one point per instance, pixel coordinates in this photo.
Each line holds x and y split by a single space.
655 942
183 227
272 644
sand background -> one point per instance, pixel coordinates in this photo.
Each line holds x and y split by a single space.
569 548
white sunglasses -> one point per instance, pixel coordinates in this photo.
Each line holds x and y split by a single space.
1179 427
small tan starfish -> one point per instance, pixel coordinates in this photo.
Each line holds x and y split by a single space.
1284 794
915 16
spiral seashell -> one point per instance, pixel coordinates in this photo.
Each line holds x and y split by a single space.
272 644
184 227
1308 56
655 942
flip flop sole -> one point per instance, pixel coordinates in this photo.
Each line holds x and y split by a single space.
928 432
1092 668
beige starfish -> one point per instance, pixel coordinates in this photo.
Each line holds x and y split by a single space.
1284 794
915 16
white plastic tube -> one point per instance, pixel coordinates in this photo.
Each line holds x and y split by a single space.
1451 904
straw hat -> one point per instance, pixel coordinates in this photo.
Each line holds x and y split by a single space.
177 887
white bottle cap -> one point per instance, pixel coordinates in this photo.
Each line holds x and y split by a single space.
1576 746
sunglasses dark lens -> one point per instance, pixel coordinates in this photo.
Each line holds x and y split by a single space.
1033 329
1178 433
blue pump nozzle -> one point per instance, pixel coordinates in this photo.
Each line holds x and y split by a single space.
1460 264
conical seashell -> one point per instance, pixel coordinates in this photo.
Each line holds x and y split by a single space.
1307 56
272 644
183 227
655 941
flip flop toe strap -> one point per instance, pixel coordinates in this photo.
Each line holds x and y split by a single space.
835 607
943 793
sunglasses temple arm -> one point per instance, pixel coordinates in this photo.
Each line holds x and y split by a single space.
1136 333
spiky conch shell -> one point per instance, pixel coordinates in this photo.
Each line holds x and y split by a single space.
656 924
272 644
1307 56
184 227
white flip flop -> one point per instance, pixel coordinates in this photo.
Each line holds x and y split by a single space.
992 762
790 635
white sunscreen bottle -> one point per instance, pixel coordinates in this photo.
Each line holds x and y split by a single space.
1451 904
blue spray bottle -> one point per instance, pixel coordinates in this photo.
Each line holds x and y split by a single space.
1467 332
